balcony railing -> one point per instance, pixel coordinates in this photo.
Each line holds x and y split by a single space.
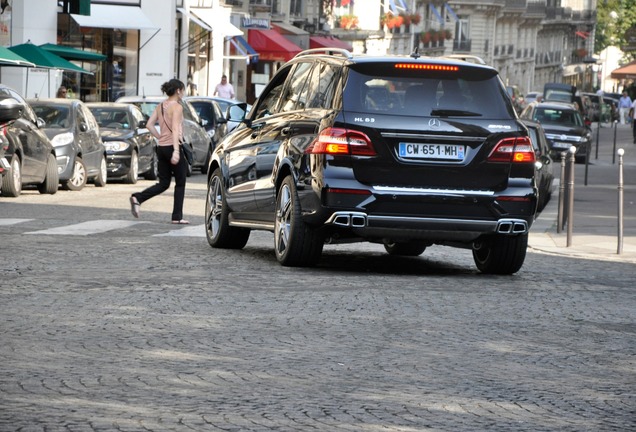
462 45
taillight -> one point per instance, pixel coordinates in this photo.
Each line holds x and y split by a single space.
516 150
338 141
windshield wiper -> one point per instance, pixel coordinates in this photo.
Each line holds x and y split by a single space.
452 112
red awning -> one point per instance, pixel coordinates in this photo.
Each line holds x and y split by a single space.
625 72
328 42
271 45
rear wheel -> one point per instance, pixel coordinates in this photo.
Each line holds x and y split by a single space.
217 229
413 248
102 176
78 179
133 173
296 244
12 183
500 254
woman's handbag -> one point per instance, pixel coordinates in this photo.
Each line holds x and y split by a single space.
186 149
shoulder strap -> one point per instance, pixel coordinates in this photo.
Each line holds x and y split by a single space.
164 117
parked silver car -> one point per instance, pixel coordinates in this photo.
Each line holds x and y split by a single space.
74 133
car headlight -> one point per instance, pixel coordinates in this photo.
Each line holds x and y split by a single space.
62 139
116 146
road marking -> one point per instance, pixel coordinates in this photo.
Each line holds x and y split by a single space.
88 228
190 231
9 221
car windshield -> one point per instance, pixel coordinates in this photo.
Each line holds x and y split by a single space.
146 107
55 116
556 116
111 118
373 89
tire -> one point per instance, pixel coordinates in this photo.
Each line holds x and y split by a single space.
295 243
217 229
133 173
500 254
153 172
78 179
102 177
52 180
12 183
413 248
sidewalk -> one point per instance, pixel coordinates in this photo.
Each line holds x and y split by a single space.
595 220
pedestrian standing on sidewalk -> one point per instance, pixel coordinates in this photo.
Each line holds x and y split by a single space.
624 104
171 160
224 89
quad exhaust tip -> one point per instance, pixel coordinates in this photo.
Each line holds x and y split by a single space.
512 226
349 219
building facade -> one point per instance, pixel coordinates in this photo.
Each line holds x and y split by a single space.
147 42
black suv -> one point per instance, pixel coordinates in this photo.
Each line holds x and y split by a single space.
405 151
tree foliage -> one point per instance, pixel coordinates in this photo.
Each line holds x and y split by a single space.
613 19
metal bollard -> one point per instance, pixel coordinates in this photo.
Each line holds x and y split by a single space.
560 216
570 206
614 148
598 134
619 249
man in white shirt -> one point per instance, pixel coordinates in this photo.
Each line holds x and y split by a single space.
224 89
624 104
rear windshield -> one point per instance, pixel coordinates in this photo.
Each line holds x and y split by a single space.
556 116
373 89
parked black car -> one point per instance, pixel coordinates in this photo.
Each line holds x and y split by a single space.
130 148
225 104
194 133
403 151
564 127
27 156
544 175
74 133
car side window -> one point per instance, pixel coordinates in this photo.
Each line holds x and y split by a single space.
295 96
81 118
269 101
138 116
322 86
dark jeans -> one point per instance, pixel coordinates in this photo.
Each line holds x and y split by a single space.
166 171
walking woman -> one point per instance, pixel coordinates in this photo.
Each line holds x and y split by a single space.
171 161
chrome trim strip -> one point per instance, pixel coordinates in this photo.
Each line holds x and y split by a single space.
428 191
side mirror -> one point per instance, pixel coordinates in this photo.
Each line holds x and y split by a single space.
142 124
10 109
237 112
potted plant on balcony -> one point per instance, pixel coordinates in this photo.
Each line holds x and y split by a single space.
348 22
448 35
416 18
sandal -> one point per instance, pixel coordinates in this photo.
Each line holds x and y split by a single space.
134 206
181 222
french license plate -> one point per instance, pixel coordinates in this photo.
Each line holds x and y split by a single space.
561 145
432 151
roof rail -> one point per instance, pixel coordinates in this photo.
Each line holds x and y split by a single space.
467 58
329 51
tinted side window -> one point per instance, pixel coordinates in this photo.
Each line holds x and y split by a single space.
322 86
269 100
295 96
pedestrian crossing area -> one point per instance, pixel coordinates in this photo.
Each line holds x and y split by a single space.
101 226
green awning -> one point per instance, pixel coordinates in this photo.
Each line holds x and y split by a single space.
44 59
9 58
70 53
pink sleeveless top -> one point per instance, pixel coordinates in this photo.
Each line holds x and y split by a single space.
165 124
